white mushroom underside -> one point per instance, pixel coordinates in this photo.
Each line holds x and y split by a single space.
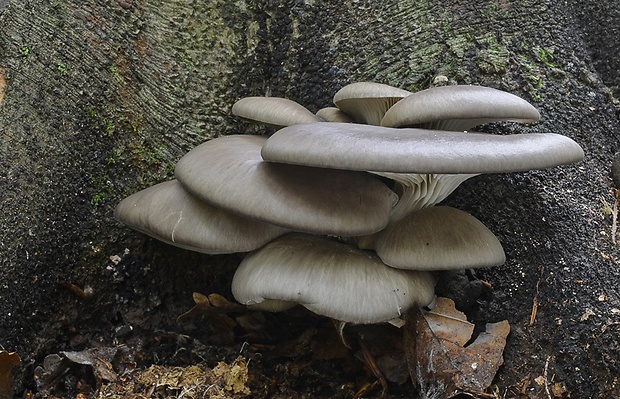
330 279
367 102
368 111
417 191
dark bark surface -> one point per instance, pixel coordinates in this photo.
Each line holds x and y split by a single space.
98 99
600 26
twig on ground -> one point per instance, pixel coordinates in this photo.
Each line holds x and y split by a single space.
535 302
369 361
480 394
545 377
85 293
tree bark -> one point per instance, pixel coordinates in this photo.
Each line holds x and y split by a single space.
99 99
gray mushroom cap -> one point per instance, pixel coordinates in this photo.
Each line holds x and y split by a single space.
333 114
458 108
273 111
439 238
367 102
330 279
170 214
382 149
229 173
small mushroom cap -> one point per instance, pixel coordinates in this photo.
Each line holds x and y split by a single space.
382 149
330 279
228 172
333 114
367 102
170 214
273 111
439 238
458 108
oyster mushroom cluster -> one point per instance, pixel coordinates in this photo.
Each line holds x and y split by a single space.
338 209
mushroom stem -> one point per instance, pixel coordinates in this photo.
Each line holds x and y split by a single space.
417 191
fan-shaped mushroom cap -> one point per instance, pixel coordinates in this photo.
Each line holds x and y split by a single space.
329 278
367 102
273 111
382 149
229 173
170 214
333 114
439 238
458 108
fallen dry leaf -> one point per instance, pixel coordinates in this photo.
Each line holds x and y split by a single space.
214 309
210 305
7 361
440 363
99 359
202 307
104 364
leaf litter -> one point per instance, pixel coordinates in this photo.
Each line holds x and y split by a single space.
441 362
109 373
434 348
8 360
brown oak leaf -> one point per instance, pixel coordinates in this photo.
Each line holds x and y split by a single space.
7 361
439 360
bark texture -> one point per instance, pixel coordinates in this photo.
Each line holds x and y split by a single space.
98 99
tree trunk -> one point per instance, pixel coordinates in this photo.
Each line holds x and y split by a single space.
99 99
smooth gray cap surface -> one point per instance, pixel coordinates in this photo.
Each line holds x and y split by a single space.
382 149
458 108
229 173
330 279
367 102
170 214
333 114
273 111
439 238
